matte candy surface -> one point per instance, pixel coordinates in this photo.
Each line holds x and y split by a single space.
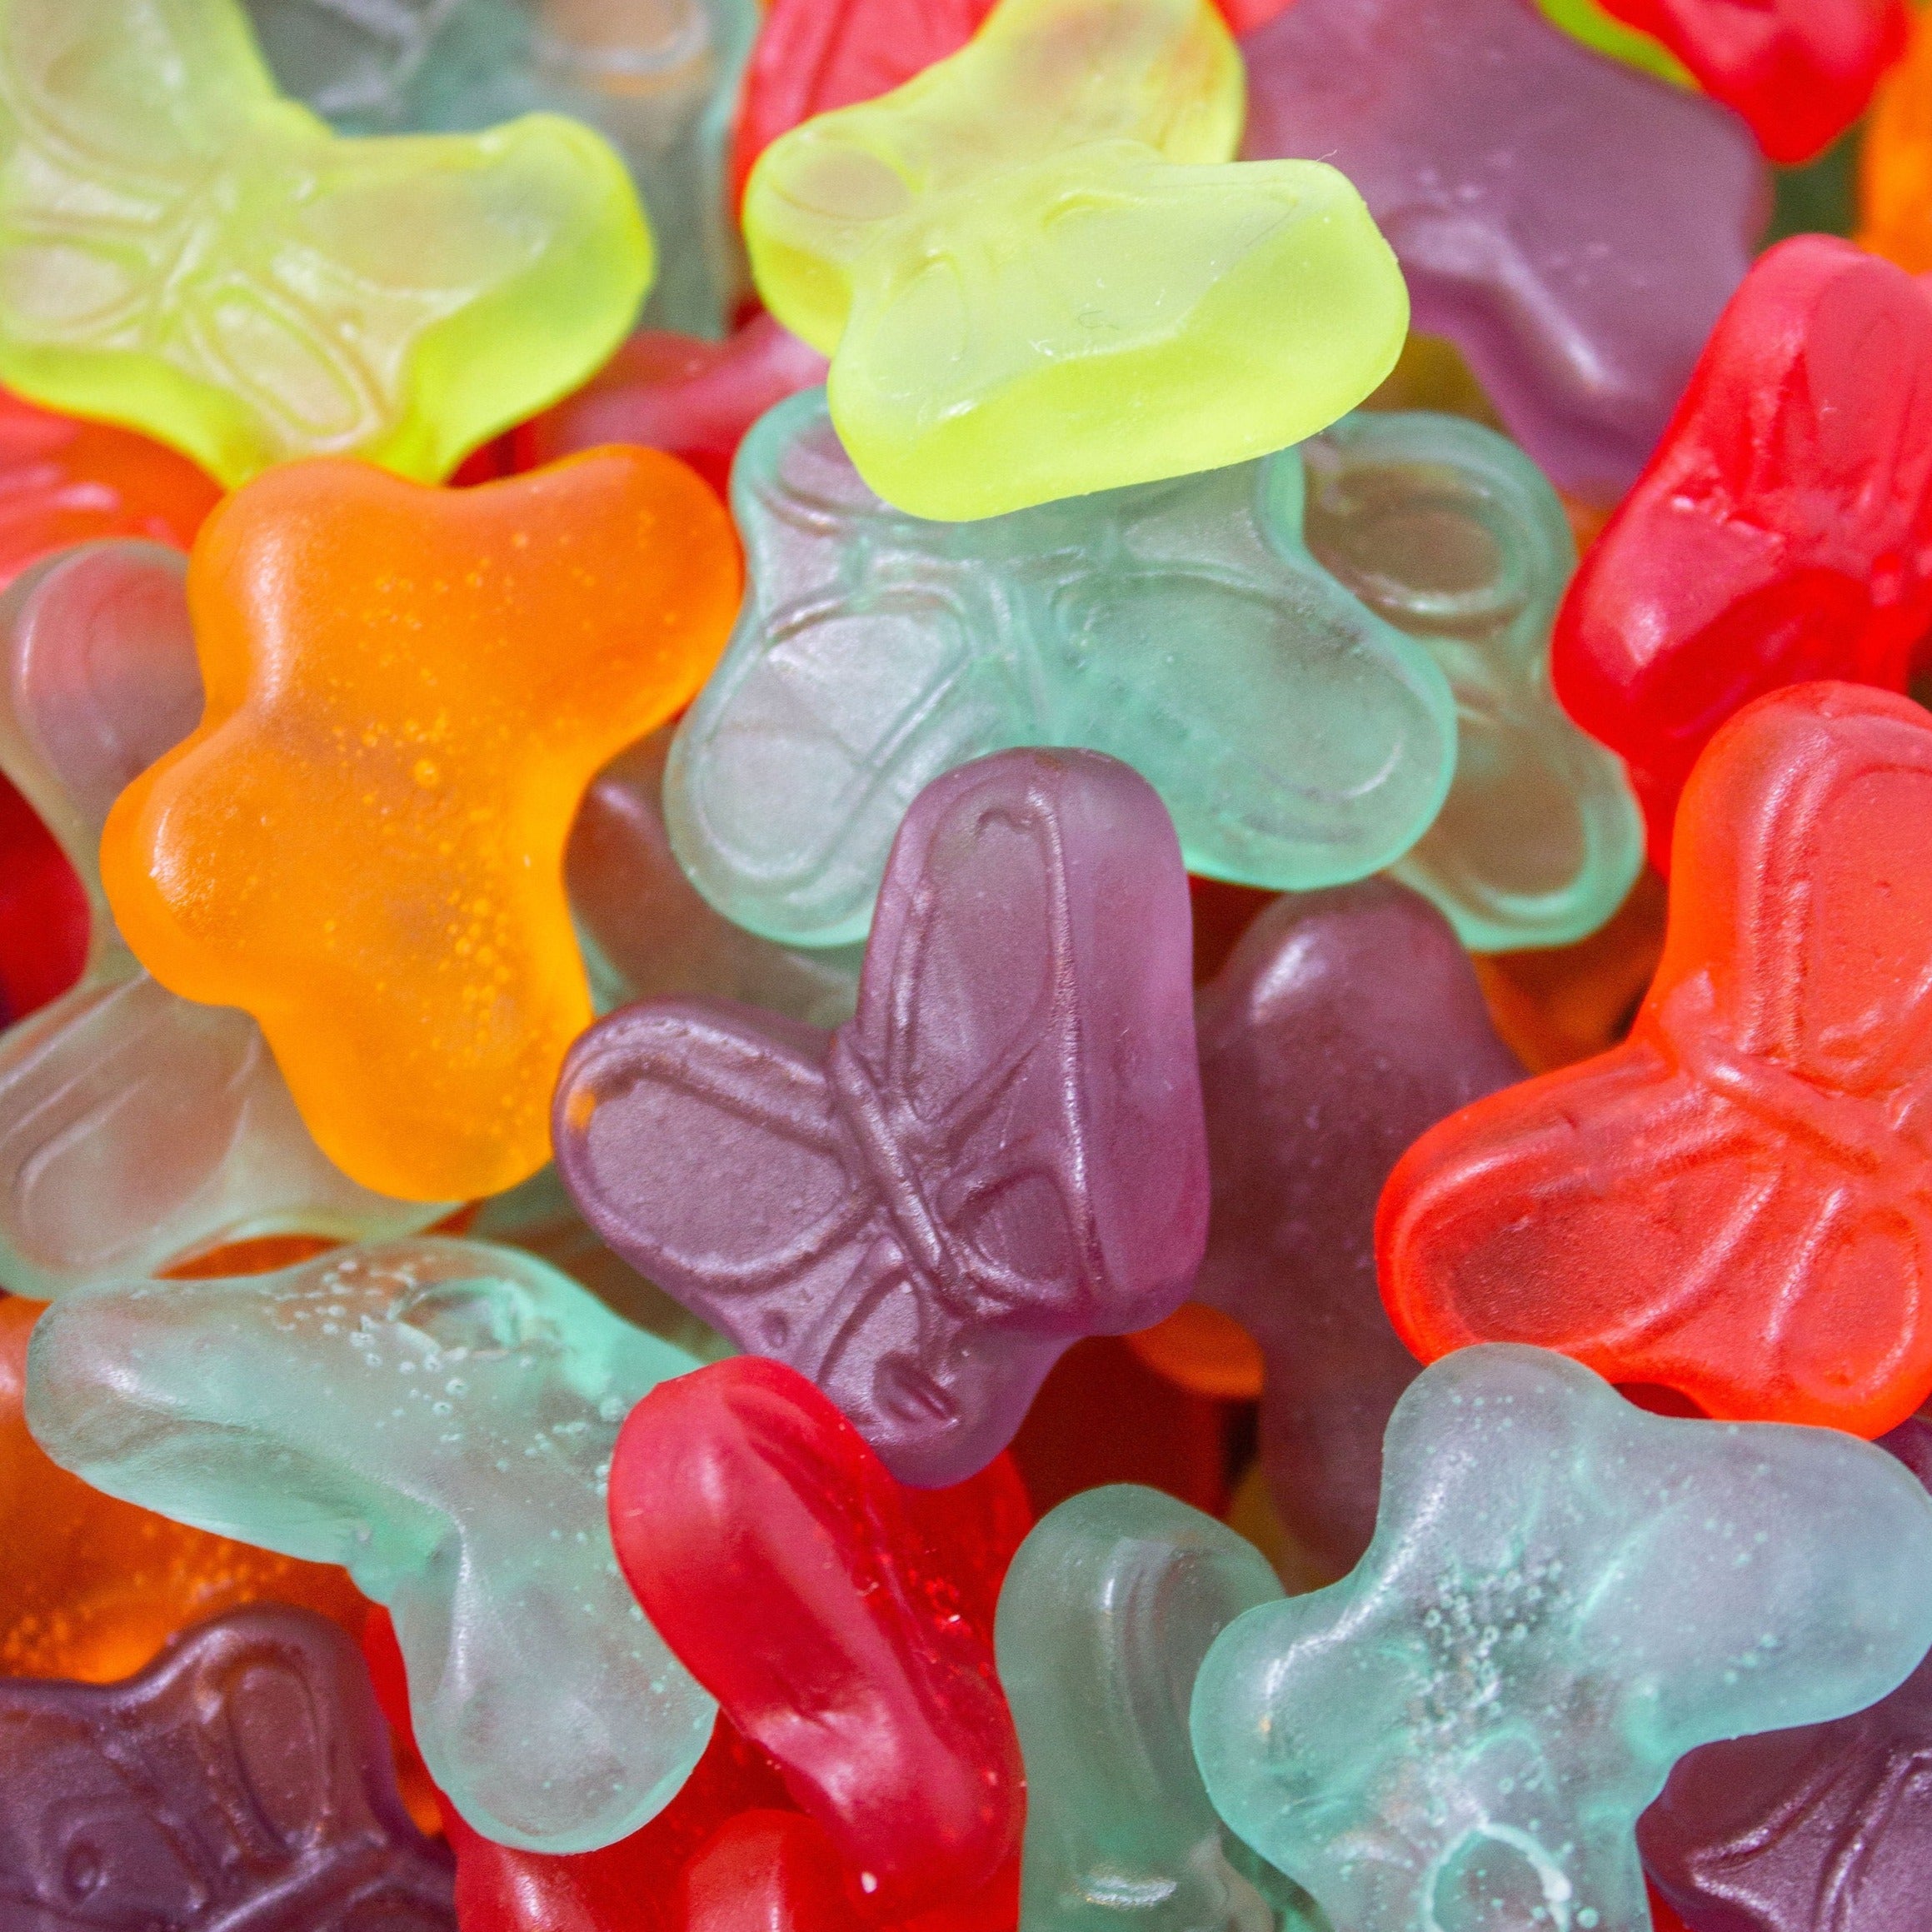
1296 738
399 300
1345 1023
1827 1828
1735 1203
1037 276
242 1780
772 1546
1563 1595
1784 530
1108 1610
1573 225
437 1415
362 843
921 1211
137 1129
1452 535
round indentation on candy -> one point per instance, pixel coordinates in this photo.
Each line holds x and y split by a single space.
1497 1876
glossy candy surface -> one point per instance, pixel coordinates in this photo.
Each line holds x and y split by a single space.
1108 1609
778 1556
1563 1595
1571 225
1037 274
137 1129
1784 530
1827 1828
1735 1203
241 1783
1296 738
1448 532
399 300
1344 1023
1895 159
922 1210
362 842
437 1415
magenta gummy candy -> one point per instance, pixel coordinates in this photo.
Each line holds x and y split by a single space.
1002 1151
1574 226
1344 1023
241 1783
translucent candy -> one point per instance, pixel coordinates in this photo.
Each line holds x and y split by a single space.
1895 159
1297 739
137 1129
437 1416
1563 1595
921 1211
1452 535
362 843
1573 227
1108 1609
1037 276
1586 20
242 1779
398 300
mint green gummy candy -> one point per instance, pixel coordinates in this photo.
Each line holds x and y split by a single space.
1297 739
1452 534
1564 1595
1104 1616
437 1415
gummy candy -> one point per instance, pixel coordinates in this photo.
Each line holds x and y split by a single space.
1345 1023
768 1542
1111 1605
1585 20
1037 275
63 482
1297 739
93 1587
1895 159
922 1211
655 79
136 1128
400 300
1823 1829
1452 535
670 393
1800 71
362 843
765 1868
646 933
1782 530
242 1779
1733 1204
444 1366
1563 1595
1573 227
43 912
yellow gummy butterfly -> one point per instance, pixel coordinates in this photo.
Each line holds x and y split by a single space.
1038 271
186 252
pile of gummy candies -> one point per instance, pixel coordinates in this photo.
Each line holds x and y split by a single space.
846 1085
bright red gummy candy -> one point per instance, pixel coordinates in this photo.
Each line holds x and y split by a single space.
43 912
1736 1203
776 1555
1782 531
766 1871
1800 71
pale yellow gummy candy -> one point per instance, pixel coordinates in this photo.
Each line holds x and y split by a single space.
184 252
1039 272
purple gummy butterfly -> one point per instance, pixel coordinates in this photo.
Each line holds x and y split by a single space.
1825 1828
241 1783
1345 1023
1001 1152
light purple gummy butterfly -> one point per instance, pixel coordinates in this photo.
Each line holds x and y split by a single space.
1001 1152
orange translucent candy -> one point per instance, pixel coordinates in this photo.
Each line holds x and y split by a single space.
1895 160
1206 1352
91 1588
408 691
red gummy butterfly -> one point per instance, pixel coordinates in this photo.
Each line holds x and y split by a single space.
1001 1152
1783 530
1736 1203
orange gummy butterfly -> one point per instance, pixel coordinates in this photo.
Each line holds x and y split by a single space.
1736 1203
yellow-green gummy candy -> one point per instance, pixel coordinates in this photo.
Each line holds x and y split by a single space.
1585 20
1039 272
184 252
